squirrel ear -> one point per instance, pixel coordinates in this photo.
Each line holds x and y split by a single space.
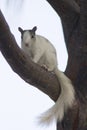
20 30
34 29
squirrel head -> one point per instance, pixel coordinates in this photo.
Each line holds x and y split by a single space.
27 36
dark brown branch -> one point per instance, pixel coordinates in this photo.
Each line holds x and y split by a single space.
83 19
64 7
77 1
68 10
23 66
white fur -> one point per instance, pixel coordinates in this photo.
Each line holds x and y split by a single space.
42 52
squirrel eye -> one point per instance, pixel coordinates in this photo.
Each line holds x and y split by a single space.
32 36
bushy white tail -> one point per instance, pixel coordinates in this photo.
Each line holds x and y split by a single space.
65 101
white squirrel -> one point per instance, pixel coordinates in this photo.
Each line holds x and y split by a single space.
43 52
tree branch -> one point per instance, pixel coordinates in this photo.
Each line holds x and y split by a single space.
68 11
64 7
83 19
77 1
23 66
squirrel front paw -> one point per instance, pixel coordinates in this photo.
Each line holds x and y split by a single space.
44 67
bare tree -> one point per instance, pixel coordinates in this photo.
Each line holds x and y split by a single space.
73 15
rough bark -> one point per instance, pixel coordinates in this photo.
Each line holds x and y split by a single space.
73 15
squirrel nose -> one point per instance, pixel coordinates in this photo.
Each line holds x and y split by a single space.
26 44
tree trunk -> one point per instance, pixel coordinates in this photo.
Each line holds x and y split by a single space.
73 15
73 18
